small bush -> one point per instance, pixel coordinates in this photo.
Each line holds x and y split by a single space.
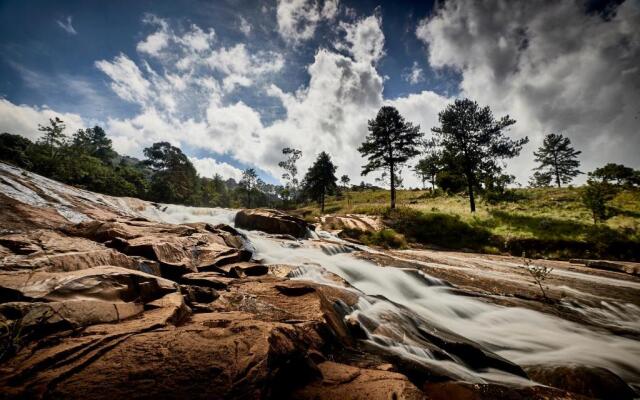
387 238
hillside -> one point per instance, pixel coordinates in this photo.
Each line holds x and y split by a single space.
548 222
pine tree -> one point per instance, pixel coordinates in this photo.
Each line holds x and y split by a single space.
53 136
427 169
291 170
391 142
320 179
248 183
558 158
473 142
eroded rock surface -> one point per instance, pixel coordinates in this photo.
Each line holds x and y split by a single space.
273 221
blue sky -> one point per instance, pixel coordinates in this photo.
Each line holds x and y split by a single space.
232 82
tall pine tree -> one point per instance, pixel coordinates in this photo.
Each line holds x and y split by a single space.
558 159
391 142
473 142
320 179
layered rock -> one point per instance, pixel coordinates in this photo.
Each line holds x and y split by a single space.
273 221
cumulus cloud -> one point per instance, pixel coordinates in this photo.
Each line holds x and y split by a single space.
414 75
244 26
364 39
551 66
298 19
208 167
23 120
67 25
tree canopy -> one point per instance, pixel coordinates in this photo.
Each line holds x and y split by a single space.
473 141
391 142
557 159
320 180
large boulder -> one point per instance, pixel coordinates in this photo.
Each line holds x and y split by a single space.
273 221
599 383
340 381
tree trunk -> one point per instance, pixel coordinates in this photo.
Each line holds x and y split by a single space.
393 188
322 203
555 167
472 202
249 198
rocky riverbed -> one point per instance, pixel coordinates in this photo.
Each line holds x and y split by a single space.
104 297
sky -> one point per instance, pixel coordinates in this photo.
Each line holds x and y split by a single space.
233 82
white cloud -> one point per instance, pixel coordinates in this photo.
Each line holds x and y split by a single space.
23 120
126 79
244 26
298 19
208 167
364 39
67 25
550 66
415 75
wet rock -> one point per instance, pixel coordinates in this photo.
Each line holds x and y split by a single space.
593 382
627 267
272 221
296 289
340 381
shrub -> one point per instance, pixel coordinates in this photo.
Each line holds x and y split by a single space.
387 238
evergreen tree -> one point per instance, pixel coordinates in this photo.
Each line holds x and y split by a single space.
344 181
94 141
13 149
248 183
540 179
175 179
473 142
391 142
320 179
53 136
558 158
594 197
291 170
427 169
619 173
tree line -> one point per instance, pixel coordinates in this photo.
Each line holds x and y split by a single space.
87 160
465 154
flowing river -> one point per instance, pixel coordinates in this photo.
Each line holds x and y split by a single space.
523 336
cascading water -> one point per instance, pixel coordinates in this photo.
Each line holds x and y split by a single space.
523 336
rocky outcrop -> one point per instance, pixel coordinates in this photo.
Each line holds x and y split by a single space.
340 381
360 222
273 221
598 383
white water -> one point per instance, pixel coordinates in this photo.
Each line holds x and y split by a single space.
523 336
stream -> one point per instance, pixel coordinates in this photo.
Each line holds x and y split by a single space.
523 336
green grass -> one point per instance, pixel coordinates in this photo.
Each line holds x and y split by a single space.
548 222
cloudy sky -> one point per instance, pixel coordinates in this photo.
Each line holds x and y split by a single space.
233 82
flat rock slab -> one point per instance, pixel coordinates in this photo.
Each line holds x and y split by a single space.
273 221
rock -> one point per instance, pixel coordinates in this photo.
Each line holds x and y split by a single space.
340 381
242 269
593 382
215 355
360 222
628 267
105 283
205 279
272 221
199 294
296 289
490 391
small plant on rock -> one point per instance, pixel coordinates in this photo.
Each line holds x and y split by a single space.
538 272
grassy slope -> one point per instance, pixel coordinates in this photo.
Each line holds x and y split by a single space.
547 215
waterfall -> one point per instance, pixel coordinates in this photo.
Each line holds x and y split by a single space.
523 336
